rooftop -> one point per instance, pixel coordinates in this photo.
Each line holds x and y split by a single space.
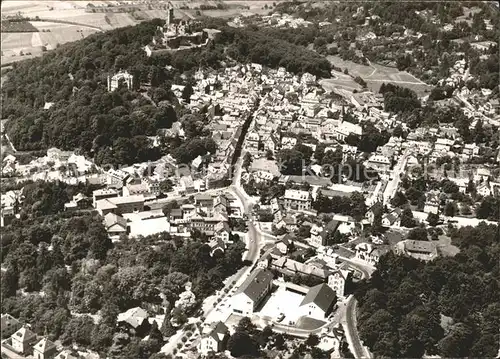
321 295
256 283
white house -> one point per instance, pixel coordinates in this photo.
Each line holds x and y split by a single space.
252 292
215 340
379 162
337 281
319 302
366 253
44 349
22 340
297 199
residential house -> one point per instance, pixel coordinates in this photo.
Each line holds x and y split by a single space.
9 325
134 321
204 200
423 250
330 339
271 143
215 340
79 201
252 292
23 340
252 142
432 202
115 225
319 302
366 253
222 231
284 243
297 200
44 349
392 219
116 178
337 281
379 162
484 189
288 142
153 185
316 239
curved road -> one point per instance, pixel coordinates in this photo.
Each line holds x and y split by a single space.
349 319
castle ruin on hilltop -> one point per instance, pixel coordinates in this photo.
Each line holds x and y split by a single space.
179 34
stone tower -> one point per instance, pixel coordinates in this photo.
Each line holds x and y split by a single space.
170 14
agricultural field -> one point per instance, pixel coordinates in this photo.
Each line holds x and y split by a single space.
17 26
375 75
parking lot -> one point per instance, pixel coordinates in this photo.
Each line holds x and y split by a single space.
283 301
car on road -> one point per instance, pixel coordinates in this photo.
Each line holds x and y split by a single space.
280 317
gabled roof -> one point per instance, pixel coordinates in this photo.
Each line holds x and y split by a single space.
321 295
134 316
256 284
44 346
111 219
219 331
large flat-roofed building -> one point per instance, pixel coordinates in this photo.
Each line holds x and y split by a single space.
297 199
120 205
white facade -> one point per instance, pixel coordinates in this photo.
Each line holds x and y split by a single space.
313 311
242 304
337 281
297 199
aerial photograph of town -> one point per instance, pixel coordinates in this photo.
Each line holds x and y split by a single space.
276 179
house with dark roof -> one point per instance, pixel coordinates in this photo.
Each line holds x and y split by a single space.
215 340
115 224
252 292
392 219
44 349
22 340
134 321
423 250
319 235
319 302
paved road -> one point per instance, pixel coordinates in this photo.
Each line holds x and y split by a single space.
349 319
392 186
256 237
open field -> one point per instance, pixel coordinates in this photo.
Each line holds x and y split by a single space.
340 80
375 75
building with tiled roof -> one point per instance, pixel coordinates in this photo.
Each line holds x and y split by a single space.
252 292
319 302
215 340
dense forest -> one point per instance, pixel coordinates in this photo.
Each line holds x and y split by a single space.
71 260
115 127
448 306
